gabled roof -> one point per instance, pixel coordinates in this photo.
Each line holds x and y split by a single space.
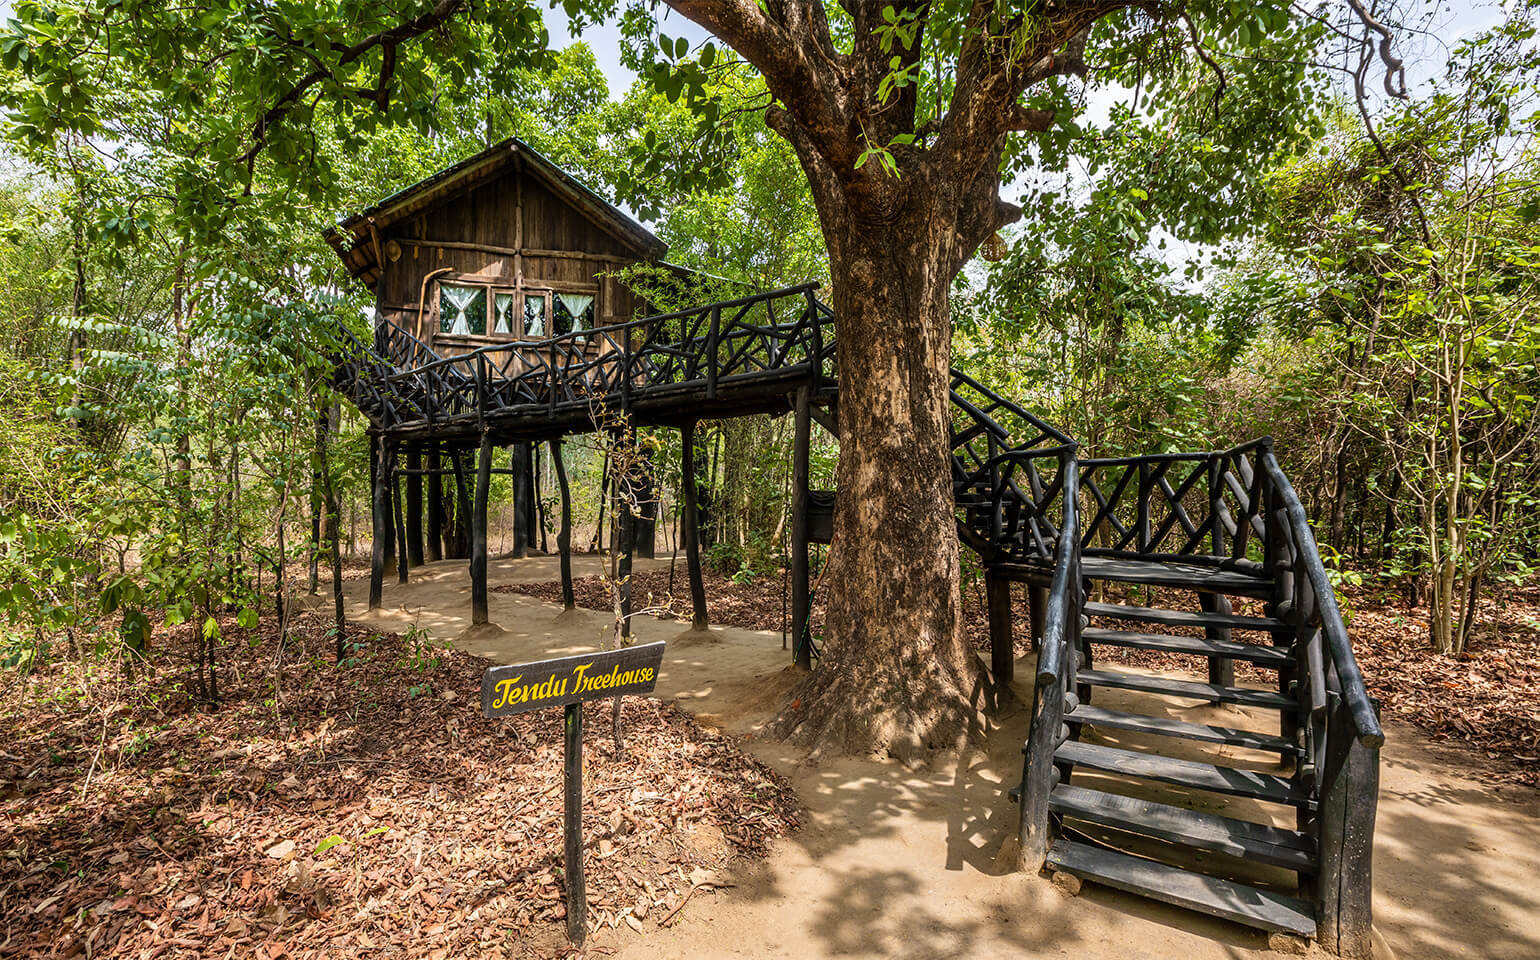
352 237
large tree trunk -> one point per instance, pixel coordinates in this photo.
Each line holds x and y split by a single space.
895 675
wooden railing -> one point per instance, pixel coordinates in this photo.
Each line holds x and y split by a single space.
1054 682
1196 507
730 343
1234 508
1007 474
1339 724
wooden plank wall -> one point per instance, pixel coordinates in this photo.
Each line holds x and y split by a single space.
511 230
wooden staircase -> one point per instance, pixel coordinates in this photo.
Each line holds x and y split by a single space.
1250 801
1099 824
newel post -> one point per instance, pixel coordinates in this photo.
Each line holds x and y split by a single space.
1350 787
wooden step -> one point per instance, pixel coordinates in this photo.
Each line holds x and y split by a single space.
1158 881
1183 773
1266 656
1168 727
1186 576
1182 618
1256 842
1212 692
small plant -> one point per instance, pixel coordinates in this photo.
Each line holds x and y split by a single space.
419 652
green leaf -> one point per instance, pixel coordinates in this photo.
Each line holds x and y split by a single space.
327 844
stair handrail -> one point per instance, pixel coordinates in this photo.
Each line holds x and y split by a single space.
1354 692
1055 677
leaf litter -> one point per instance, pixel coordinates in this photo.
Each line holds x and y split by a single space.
361 808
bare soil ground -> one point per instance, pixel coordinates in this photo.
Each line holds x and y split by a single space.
325 810
1487 698
915 862
888 861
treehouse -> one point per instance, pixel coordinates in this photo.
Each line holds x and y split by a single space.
502 246
501 324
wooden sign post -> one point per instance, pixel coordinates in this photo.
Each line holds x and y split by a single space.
567 682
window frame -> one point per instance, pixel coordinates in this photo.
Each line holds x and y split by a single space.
491 287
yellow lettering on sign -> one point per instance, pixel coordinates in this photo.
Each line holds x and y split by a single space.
506 691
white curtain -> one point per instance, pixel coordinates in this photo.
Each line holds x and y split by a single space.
502 320
459 299
576 304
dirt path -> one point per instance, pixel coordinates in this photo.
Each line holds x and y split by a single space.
905 863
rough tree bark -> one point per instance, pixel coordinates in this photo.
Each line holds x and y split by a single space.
895 676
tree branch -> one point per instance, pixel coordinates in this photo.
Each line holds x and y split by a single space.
389 39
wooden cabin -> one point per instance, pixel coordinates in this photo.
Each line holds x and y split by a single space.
503 245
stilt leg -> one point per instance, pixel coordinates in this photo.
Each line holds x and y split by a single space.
414 552
1220 671
564 538
691 532
379 513
380 517
435 507
402 563
1002 652
518 461
801 600
479 532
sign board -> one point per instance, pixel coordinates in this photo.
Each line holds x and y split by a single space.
521 687
567 682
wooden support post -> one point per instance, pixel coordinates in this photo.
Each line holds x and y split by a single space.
435 507
316 505
381 463
479 532
462 504
1349 796
577 898
402 564
541 520
379 515
1220 671
691 531
518 462
1037 612
1038 773
414 551
1002 653
801 600
564 538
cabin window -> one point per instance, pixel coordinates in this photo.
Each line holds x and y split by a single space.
573 312
536 307
503 320
462 310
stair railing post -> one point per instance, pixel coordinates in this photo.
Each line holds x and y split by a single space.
551 380
1054 676
1216 502
1349 794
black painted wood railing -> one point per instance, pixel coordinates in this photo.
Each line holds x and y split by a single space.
1193 507
406 384
1234 509
1054 681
